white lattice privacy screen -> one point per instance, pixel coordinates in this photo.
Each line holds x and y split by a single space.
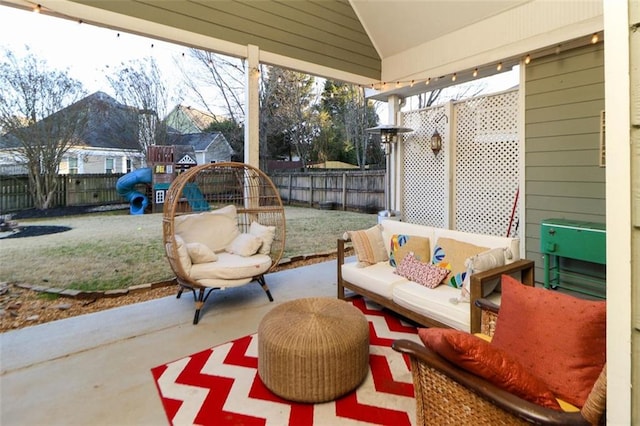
425 181
482 140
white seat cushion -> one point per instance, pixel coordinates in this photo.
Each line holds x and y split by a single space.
435 303
231 267
378 278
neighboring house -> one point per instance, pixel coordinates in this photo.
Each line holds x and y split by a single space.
108 144
211 147
333 165
187 120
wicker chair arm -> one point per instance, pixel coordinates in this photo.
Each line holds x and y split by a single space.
479 390
523 267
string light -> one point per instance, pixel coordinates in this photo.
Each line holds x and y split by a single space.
557 50
594 38
37 8
527 59
383 85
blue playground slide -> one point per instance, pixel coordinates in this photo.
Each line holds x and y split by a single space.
195 198
137 201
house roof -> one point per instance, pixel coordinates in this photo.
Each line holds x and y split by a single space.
199 119
199 141
110 124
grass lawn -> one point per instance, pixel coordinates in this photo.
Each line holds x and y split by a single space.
104 251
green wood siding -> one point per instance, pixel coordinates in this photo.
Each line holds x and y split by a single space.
325 32
564 95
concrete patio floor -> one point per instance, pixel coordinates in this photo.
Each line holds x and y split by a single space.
95 369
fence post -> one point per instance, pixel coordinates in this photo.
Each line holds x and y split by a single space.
290 178
344 191
311 190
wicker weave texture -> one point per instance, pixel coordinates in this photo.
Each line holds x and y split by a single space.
442 401
216 185
313 349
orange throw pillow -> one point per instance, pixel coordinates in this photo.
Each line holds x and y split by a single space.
559 338
492 364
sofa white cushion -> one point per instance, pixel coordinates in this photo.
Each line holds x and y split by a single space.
231 266
216 229
434 303
390 227
482 240
378 278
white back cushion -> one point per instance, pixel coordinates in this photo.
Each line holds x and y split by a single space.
215 229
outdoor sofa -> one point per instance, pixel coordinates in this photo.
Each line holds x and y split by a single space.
396 261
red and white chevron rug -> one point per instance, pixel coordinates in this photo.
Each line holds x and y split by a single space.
221 386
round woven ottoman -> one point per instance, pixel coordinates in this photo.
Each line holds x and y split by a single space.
313 349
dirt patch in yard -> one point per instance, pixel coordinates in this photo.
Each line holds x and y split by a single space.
20 307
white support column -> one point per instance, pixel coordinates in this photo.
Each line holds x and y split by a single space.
449 148
618 211
252 108
522 185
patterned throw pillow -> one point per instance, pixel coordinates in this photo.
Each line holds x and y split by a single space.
479 263
368 245
421 272
402 244
451 254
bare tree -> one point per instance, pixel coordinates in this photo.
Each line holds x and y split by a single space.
452 93
140 84
217 82
40 125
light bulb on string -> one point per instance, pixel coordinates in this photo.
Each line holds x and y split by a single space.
454 77
594 38
499 67
427 82
475 72
37 8
527 59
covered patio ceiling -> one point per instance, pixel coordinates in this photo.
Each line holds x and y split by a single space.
359 41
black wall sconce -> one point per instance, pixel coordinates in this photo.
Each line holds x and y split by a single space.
435 143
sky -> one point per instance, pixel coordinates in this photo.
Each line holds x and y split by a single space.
85 50
89 52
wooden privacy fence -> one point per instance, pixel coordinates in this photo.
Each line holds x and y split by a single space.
347 190
73 190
